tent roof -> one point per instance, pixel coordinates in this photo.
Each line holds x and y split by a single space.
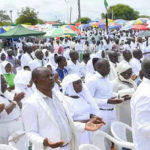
20 31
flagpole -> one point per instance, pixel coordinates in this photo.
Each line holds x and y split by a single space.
106 22
106 6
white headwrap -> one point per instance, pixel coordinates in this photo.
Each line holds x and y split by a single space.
67 86
1 55
4 64
122 67
90 66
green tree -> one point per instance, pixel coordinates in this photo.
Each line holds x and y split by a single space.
144 16
122 11
27 16
3 16
84 20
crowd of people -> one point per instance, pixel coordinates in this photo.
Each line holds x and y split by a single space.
54 93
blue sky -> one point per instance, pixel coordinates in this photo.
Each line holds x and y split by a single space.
57 9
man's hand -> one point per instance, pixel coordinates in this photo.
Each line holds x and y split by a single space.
133 77
97 120
48 143
2 107
18 97
126 97
90 126
115 101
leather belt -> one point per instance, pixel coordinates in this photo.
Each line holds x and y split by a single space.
106 109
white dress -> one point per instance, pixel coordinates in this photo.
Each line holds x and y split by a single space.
79 113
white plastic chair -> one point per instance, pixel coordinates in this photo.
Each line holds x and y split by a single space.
88 147
98 139
6 147
119 130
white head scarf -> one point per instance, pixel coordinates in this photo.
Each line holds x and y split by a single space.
4 64
90 66
1 55
67 84
68 89
122 67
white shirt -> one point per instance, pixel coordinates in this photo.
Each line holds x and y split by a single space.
140 111
136 66
36 63
25 59
74 68
101 90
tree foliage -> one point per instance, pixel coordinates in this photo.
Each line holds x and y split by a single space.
4 17
27 16
121 11
83 20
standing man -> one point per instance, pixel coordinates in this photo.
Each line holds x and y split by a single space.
46 121
140 104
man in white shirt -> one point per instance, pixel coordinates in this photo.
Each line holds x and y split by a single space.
101 89
26 57
47 123
38 62
140 104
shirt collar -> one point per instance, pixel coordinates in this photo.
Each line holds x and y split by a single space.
41 94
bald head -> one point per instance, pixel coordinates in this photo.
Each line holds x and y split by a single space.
137 54
39 54
37 72
103 67
113 56
74 55
146 67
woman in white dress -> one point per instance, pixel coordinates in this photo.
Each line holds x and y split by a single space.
10 116
80 103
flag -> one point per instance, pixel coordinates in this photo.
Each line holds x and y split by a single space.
106 4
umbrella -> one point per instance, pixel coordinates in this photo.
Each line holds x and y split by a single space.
120 22
114 27
140 27
74 28
2 30
20 31
84 26
58 32
145 34
126 27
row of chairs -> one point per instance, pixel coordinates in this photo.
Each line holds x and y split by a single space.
119 138
119 131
